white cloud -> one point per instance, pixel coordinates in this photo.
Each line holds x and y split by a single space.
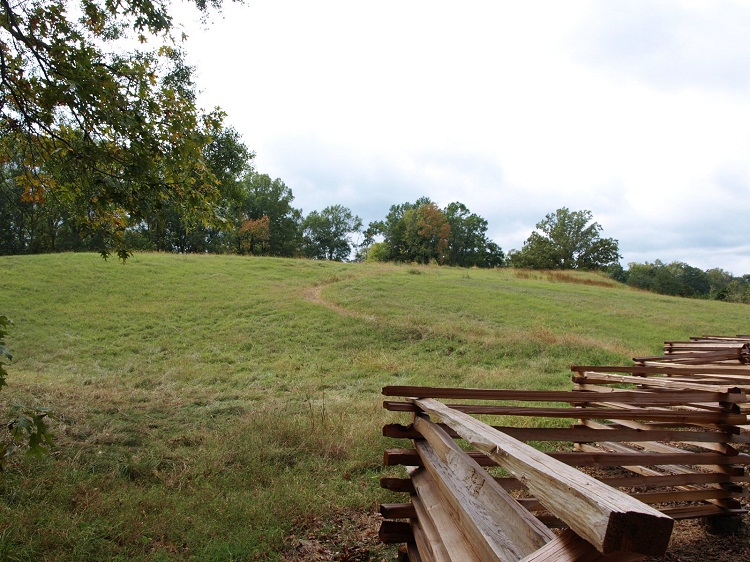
637 111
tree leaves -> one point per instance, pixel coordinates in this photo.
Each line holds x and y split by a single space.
566 240
421 232
75 108
327 235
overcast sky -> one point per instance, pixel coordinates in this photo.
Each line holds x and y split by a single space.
636 110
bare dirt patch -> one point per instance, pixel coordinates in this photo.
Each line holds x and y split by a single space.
348 537
693 542
353 537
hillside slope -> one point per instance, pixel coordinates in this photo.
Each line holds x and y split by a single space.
208 406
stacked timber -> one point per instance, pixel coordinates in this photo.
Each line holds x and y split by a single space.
691 465
659 441
460 511
703 350
668 443
704 360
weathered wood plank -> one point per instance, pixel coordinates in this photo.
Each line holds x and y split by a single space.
499 528
410 457
428 552
726 503
671 416
412 553
404 485
680 396
395 532
446 539
660 480
610 520
397 484
397 511
603 458
590 458
569 547
694 511
532 504
684 496
661 369
653 444
725 393
739 371
582 434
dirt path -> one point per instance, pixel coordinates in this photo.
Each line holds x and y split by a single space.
315 295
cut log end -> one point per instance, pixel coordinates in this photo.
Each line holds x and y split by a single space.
638 532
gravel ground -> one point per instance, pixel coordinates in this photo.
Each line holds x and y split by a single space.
692 542
353 537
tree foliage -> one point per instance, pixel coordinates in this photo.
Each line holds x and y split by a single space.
169 228
683 280
328 234
427 233
468 242
122 122
421 232
254 236
272 198
567 240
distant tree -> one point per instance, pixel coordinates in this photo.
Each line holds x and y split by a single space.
739 289
422 232
169 227
691 281
394 228
377 252
255 235
54 225
681 279
566 240
414 232
493 256
327 235
719 282
664 280
19 219
641 275
617 272
468 245
264 197
366 244
428 231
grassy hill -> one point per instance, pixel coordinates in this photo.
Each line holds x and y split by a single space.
209 406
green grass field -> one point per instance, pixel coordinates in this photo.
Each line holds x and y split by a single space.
219 407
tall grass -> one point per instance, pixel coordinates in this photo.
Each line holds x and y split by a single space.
210 407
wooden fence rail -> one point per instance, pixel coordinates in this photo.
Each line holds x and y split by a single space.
704 350
665 439
684 466
458 511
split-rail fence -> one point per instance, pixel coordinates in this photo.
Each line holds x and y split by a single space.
646 444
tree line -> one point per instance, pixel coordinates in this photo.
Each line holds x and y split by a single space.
683 280
253 215
105 149
256 216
